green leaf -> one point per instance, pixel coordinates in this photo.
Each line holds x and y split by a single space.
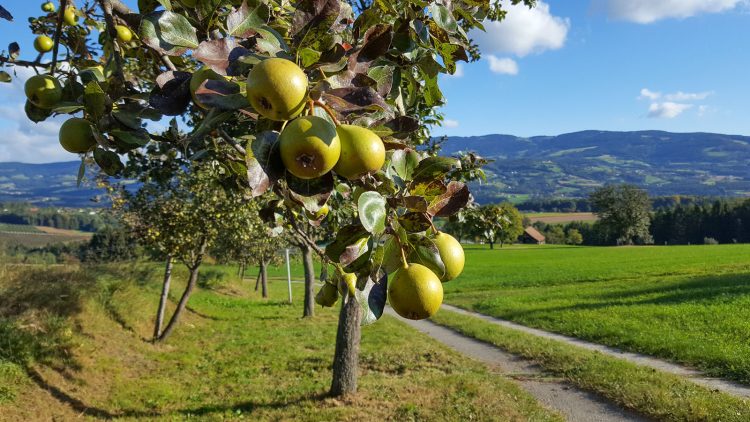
167 32
5 76
434 168
404 162
94 99
222 94
264 165
81 172
308 56
108 161
443 17
350 243
243 21
383 76
414 222
132 139
372 300
372 213
427 253
312 194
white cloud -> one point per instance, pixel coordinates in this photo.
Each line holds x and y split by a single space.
523 31
449 123
505 65
651 95
667 110
688 96
23 140
648 11
459 71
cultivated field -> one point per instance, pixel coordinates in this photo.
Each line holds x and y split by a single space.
36 236
561 217
685 303
82 335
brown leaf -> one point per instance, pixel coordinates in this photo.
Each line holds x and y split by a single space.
215 54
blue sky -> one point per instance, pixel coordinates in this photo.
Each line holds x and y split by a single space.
567 65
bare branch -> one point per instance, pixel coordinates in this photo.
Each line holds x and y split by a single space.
58 31
110 22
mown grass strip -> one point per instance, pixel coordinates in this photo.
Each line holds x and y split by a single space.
659 395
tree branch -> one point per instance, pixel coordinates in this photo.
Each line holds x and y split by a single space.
237 147
58 31
110 22
134 20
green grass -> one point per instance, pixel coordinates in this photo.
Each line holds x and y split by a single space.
684 303
662 396
234 356
18 228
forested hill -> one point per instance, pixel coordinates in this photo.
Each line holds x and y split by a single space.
572 164
568 165
51 184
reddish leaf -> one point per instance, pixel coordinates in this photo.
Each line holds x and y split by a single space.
453 200
215 53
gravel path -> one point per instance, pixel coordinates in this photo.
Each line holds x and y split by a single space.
575 404
693 375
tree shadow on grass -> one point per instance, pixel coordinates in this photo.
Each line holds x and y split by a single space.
85 409
704 290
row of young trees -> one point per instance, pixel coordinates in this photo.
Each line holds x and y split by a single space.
70 219
270 93
723 221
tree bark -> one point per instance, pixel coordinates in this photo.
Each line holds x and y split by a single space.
181 304
346 359
264 278
257 280
307 261
192 281
492 245
163 298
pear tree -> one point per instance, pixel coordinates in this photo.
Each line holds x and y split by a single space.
310 99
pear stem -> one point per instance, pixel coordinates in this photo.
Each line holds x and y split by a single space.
401 248
328 111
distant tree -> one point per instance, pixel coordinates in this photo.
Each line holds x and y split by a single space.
554 235
573 237
624 214
110 244
496 223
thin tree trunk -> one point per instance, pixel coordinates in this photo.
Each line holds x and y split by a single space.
492 245
346 359
192 281
181 304
163 298
307 261
257 280
264 278
242 273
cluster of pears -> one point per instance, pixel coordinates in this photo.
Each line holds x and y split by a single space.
310 146
415 291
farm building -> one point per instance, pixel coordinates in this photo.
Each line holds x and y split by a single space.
532 235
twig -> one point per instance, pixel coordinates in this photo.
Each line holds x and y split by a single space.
328 110
134 20
24 63
237 147
306 239
58 31
110 22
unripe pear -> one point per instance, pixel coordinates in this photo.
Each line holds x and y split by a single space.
43 44
309 147
362 152
415 292
277 89
124 33
76 135
48 7
70 16
44 91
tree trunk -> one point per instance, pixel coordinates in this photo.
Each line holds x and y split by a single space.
181 304
264 278
492 245
192 281
163 298
257 280
346 359
307 261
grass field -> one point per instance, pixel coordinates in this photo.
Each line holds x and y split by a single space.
82 335
684 303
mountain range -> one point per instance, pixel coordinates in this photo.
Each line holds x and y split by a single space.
568 165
